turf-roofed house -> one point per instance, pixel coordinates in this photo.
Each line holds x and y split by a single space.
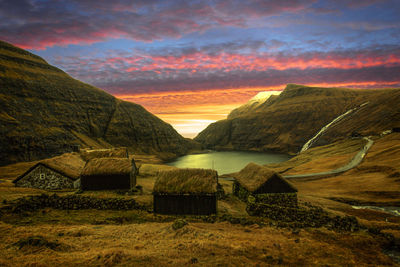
60 172
109 174
265 185
186 191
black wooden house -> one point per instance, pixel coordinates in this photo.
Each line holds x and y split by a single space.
186 191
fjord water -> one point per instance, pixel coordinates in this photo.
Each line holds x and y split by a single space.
227 161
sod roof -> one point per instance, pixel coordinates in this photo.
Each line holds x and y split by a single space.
69 165
253 176
120 152
107 166
186 181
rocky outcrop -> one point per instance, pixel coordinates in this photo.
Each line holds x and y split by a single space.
284 123
45 112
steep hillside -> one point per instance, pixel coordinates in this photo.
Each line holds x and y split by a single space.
45 112
284 123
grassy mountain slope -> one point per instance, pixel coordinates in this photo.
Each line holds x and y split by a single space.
286 122
44 112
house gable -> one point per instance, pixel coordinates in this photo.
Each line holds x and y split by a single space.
43 177
275 184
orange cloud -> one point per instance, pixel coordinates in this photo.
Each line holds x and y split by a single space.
189 112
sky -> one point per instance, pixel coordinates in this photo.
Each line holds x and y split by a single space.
191 62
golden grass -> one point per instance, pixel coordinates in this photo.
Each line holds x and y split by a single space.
187 181
107 166
321 158
379 172
12 171
157 244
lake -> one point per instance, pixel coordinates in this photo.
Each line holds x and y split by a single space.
227 161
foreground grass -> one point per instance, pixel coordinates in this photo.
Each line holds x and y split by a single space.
158 244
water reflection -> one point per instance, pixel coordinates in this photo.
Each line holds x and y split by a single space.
227 161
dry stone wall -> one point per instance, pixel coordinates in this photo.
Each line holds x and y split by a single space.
280 199
299 217
72 202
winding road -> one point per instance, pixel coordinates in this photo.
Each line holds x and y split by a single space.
353 163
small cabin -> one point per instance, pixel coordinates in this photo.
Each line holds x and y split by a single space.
60 172
186 191
265 185
109 174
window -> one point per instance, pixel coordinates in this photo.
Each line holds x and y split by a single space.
42 175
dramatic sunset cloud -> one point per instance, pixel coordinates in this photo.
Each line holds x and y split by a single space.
191 62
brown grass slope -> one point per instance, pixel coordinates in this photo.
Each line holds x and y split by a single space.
382 113
44 112
285 123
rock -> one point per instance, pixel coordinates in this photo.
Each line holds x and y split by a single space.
193 260
296 231
178 224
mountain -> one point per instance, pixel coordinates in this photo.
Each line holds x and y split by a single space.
45 112
284 123
255 104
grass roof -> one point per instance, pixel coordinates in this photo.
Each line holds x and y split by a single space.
253 176
186 181
120 152
107 166
68 164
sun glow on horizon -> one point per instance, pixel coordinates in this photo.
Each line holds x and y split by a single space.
190 112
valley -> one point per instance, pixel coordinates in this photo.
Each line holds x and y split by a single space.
344 147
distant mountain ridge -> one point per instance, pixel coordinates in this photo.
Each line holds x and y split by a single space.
284 123
255 103
45 112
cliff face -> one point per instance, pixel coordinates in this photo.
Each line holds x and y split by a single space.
45 112
284 123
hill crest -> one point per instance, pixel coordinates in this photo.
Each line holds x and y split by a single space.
45 112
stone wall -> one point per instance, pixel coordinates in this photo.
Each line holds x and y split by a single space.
310 216
72 202
240 191
280 199
44 178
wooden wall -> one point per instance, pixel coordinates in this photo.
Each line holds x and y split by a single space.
185 204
